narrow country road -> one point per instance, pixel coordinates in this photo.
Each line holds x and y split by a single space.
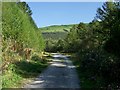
60 74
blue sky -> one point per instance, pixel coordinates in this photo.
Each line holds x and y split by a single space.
61 13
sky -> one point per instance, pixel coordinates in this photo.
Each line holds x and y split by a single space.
63 13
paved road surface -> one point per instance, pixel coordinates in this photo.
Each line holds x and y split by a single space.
60 74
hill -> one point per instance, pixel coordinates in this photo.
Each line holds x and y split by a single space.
57 28
56 32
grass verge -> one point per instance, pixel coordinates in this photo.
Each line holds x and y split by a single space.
21 72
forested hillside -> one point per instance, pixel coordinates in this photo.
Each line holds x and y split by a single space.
56 32
21 41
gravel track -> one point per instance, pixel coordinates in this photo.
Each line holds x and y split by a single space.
60 74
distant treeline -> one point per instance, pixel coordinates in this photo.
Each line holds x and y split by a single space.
54 35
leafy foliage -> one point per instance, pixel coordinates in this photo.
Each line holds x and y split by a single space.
95 44
54 37
21 37
20 40
97 47
110 16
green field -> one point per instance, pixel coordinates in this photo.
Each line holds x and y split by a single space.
57 28
56 32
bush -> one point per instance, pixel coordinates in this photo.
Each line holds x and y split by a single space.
97 63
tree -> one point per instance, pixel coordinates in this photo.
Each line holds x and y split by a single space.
19 32
109 15
25 8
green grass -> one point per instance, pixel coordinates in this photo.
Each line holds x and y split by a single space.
57 28
56 32
20 72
